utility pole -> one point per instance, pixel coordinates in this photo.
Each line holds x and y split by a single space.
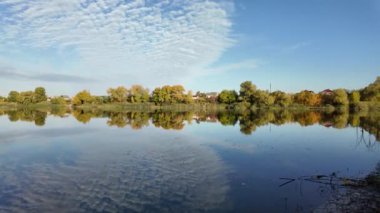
270 87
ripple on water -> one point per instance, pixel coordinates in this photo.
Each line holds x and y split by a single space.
173 177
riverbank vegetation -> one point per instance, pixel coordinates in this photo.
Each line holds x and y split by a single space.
176 97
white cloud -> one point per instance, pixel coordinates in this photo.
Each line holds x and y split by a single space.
151 41
297 46
250 64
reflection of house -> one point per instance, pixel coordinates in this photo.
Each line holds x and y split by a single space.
327 92
195 97
205 118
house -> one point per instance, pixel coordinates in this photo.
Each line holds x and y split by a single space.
66 97
208 95
211 94
327 92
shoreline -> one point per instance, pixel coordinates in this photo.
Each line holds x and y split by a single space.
354 200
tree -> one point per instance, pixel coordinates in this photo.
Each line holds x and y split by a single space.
340 97
262 98
83 97
169 94
227 96
13 96
281 98
58 101
139 94
354 97
157 96
372 91
27 97
166 94
308 98
101 99
189 97
247 89
327 99
201 97
39 95
177 94
118 94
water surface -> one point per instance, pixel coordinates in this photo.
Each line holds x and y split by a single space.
179 161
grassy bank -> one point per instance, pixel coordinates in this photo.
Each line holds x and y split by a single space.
197 107
116 107
45 106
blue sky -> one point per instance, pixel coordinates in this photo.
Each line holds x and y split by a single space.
70 45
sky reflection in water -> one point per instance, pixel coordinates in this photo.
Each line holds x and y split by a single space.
178 161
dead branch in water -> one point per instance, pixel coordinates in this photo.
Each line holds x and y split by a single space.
332 180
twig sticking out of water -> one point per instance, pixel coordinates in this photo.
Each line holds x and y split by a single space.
332 180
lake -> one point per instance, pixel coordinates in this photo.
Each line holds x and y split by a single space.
94 161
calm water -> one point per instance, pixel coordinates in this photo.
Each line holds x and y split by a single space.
179 162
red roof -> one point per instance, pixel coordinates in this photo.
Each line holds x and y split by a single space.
327 91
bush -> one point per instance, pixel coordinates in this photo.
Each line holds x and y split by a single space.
58 101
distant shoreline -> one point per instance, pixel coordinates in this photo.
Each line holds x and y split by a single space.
372 106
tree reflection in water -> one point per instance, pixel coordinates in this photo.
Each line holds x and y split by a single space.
248 121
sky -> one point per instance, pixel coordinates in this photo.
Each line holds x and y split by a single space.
206 45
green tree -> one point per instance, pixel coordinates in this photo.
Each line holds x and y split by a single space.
177 94
227 96
354 97
118 94
262 98
247 89
281 98
372 91
201 97
83 97
189 97
58 101
13 96
27 97
340 97
308 98
169 94
139 94
39 95
157 96
162 95
166 94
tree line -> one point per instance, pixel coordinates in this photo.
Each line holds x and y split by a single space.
27 97
248 96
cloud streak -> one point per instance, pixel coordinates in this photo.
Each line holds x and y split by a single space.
168 39
11 74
